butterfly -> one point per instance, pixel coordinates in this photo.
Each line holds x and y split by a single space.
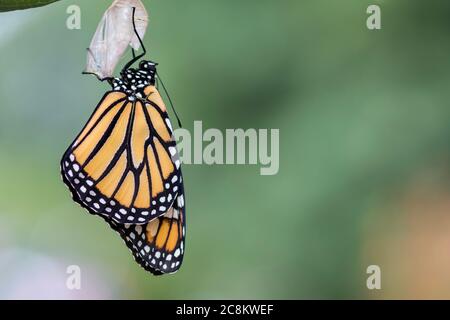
124 167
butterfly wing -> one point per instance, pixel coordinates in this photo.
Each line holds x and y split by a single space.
158 246
124 162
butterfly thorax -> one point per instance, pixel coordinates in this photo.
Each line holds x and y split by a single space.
133 81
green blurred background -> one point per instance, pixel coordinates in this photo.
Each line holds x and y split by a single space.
364 151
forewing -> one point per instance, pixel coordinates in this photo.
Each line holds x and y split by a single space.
124 163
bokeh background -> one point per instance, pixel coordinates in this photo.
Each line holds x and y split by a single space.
364 178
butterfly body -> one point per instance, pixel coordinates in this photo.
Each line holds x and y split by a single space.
134 81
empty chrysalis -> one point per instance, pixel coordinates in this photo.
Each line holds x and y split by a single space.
113 36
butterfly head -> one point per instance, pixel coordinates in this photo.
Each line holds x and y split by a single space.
148 66
133 81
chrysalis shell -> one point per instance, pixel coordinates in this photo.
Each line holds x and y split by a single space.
113 35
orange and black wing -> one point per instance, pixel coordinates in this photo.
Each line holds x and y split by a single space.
124 163
158 246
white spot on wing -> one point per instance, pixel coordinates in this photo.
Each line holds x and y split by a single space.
169 124
181 201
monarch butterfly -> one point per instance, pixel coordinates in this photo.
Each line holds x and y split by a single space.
124 167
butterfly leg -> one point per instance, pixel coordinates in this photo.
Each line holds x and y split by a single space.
135 58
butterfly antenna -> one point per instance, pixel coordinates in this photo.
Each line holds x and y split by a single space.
170 100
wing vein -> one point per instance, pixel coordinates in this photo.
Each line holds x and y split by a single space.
105 136
100 118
